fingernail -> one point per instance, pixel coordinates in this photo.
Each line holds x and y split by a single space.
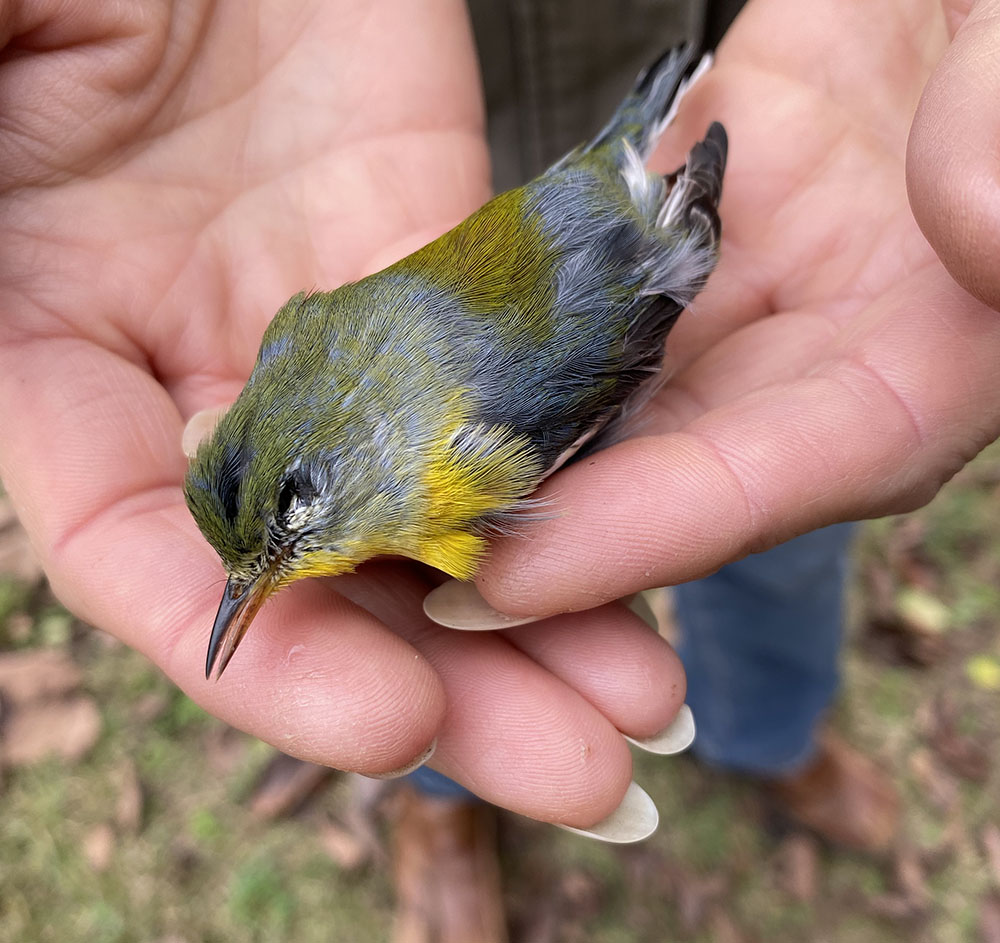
458 605
640 607
635 819
675 738
199 427
410 767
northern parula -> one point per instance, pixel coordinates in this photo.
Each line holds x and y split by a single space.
415 411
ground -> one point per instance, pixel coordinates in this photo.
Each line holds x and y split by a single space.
154 825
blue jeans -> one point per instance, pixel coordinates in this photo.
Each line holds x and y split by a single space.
760 641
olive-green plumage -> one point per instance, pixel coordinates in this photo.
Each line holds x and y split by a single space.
413 412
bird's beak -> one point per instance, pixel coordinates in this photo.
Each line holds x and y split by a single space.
239 605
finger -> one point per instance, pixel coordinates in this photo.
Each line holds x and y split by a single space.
94 468
515 733
317 676
774 350
877 429
613 659
952 175
200 426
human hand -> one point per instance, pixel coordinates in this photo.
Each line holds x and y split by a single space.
832 370
951 166
170 174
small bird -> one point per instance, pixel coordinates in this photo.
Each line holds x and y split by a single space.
415 411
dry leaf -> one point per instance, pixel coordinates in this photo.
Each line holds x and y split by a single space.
19 626
909 874
285 785
990 839
797 860
150 706
989 918
984 672
695 896
98 846
67 728
16 554
583 892
128 809
225 747
347 850
722 929
939 786
362 812
898 642
37 674
961 753
183 860
922 610
896 907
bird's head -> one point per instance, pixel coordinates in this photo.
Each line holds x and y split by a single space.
268 502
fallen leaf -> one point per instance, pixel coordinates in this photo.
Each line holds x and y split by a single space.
695 896
16 554
722 929
923 610
98 846
896 907
150 706
989 918
897 641
18 626
37 674
953 841
104 639
984 672
224 748
938 785
895 627
959 752
128 808
285 785
910 880
183 860
965 757
54 627
797 860
583 892
347 850
67 728
362 811
990 840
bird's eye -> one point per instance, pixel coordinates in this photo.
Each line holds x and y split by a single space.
296 487
285 496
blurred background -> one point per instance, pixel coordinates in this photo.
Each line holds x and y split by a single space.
128 814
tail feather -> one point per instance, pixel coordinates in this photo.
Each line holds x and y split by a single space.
653 101
689 221
696 188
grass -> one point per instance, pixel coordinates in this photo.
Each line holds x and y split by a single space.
200 868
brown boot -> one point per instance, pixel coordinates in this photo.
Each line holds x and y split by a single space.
447 871
841 796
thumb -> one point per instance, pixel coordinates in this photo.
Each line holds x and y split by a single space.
952 165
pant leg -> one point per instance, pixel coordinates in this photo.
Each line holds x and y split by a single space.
760 641
432 783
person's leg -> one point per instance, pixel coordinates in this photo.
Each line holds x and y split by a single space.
430 782
760 641
761 644
445 864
